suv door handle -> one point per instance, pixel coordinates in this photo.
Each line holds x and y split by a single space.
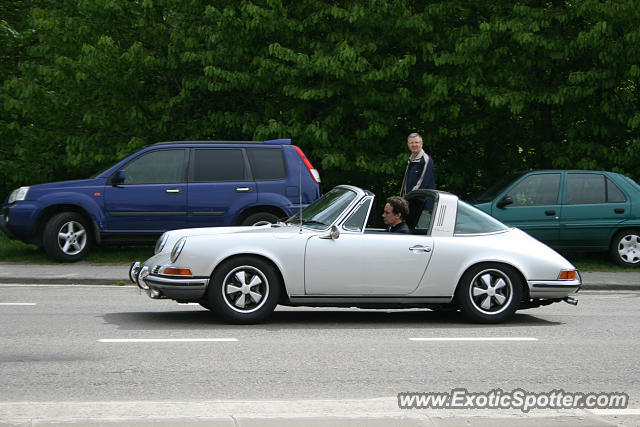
549 212
619 210
244 189
420 248
173 190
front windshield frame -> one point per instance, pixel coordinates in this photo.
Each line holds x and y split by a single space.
327 210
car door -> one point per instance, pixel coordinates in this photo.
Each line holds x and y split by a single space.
593 208
366 264
220 186
532 204
153 195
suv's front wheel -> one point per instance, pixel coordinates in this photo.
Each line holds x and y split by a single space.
66 237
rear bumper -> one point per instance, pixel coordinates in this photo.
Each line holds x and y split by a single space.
553 288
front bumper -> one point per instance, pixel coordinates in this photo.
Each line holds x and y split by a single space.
162 286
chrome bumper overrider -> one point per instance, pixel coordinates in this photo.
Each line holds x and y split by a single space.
162 286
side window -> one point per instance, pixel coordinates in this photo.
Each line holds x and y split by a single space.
614 195
357 220
584 188
535 190
424 219
156 167
266 163
218 164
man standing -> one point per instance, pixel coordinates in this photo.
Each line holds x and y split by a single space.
394 214
419 172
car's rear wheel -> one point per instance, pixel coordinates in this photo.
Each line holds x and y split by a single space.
244 290
489 293
66 237
625 248
260 217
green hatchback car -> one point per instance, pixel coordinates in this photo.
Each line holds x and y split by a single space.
571 210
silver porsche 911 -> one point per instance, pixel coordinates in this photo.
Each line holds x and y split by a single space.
456 257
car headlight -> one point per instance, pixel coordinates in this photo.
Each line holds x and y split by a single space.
161 242
177 248
18 195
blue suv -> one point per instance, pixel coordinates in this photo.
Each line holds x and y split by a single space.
162 187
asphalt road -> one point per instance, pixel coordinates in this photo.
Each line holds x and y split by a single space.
73 353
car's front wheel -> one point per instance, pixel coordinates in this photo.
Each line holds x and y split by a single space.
489 293
244 290
66 237
625 248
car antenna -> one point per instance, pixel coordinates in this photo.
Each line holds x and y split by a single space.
300 193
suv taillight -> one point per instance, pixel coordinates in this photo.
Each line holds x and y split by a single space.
313 171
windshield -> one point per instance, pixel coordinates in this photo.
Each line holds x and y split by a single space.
497 188
324 211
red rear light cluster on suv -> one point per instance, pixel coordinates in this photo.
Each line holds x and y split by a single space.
313 171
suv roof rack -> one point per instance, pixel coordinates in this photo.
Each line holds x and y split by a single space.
282 141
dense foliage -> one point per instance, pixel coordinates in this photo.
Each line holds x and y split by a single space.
493 86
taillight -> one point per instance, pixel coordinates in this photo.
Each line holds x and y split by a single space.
313 171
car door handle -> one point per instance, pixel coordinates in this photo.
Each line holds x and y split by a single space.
244 189
420 248
173 190
619 210
549 212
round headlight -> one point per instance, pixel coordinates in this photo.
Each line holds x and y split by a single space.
177 248
162 240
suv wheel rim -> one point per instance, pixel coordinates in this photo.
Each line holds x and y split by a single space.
72 238
245 289
629 249
491 291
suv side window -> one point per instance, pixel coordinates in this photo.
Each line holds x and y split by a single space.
535 190
218 164
266 163
156 167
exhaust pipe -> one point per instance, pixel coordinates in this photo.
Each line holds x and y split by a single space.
571 300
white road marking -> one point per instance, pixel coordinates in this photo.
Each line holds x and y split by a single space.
150 340
17 303
475 339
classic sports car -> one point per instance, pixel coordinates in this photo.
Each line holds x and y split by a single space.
456 257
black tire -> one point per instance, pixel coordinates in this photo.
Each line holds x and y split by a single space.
205 304
489 293
260 217
244 290
67 237
625 248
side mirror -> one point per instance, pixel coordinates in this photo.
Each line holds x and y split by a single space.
118 178
332 234
505 201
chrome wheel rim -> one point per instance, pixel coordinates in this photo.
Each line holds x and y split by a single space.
72 238
245 289
491 291
629 249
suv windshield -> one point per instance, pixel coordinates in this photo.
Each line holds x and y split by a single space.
324 211
497 188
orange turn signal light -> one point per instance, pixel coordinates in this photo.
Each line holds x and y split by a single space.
568 275
177 271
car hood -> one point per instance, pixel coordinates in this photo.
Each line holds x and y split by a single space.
174 235
39 189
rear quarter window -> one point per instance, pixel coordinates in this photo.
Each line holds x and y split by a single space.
470 220
266 163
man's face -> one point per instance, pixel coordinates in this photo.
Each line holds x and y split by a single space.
415 144
389 217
